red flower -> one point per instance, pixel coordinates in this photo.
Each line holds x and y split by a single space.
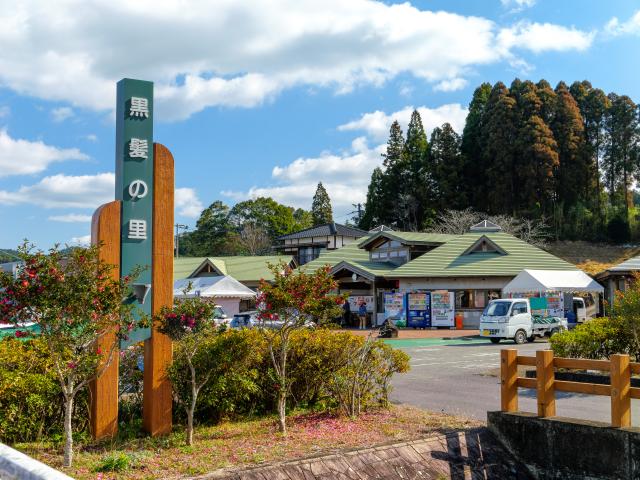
25 283
99 351
21 334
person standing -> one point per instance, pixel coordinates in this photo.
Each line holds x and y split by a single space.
346 313
362 314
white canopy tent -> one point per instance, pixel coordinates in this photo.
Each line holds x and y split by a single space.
221 286
225 291
566 281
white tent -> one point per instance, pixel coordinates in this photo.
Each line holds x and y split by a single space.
569 281
221 286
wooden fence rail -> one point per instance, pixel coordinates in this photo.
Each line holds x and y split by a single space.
545 384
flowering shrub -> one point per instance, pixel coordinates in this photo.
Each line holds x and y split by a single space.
189 323
74 301
294 297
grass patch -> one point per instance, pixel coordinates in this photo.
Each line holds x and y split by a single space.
243 443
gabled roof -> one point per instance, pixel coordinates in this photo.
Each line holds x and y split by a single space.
242 268
367 269
485 226
552 280
407 238
449 260
483 242
222 286
350 253
326 230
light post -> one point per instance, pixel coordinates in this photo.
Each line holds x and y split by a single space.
178 227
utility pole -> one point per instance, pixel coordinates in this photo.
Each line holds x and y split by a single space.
358 211
177 242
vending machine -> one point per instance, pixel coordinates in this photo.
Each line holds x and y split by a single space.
442 308
419 310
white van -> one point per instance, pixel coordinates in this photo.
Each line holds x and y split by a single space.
510 318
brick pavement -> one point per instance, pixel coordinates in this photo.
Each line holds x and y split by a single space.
471 454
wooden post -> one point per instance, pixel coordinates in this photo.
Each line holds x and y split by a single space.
103 412
620 391
508 380
545 383
157 398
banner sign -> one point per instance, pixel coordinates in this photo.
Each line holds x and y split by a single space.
134 184
356 300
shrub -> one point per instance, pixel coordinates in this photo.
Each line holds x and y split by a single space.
595 339
114 462
243 381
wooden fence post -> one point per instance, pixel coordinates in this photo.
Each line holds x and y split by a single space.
508 380
620 391
545 383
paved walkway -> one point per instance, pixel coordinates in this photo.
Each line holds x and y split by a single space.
471 454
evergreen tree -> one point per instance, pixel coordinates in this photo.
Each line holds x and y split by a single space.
412 190
373 215
498 154
394 176
568 130
446 161
321 206
474 170
621 150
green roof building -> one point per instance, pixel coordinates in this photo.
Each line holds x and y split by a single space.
472 267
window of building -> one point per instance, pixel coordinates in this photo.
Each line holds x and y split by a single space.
306 254
475 299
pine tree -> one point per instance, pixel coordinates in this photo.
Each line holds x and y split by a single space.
321 206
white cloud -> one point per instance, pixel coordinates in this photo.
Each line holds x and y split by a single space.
187 203
542 37
84 240
630 27
61 114
64 191
22 157
92 137
517 5
229 53
71 218
344 175
376 124
450 85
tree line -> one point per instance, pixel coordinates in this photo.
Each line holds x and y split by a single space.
251 227
569 155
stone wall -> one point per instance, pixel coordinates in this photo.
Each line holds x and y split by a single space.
566 448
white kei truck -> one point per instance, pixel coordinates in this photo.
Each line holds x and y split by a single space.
512 318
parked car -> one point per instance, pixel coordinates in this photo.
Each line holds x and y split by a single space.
244 319
511 318
220 317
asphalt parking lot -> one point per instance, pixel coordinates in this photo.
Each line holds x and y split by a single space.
461 377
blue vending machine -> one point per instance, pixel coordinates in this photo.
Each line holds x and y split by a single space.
419 310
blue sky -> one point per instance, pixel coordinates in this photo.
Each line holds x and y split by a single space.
265 97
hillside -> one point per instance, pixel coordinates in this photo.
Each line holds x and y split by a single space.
592 257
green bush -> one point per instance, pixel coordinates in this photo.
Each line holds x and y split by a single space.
243 380
595 339
114 462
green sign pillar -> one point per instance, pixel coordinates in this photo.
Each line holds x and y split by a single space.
134 187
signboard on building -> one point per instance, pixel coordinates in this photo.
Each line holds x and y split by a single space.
356 300
442 308
394 306
134 185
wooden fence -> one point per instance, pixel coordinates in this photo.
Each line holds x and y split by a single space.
545 384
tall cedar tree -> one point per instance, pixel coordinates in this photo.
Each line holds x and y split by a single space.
415 171
500 133
373 215
474 170
568 131
445 159
392 179
621 150
321 206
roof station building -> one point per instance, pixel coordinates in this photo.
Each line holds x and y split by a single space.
618 277
306 245
393 270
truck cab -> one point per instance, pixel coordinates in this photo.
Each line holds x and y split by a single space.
507 318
